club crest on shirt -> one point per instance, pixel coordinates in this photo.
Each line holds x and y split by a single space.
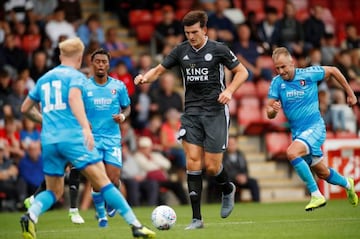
113 91
208 57
302 82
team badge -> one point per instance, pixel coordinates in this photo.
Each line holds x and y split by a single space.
208 57
89 93
113 91
302 82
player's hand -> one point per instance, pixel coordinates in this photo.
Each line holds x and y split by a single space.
140 79
225 97
89 139
276 106
351 99
119 118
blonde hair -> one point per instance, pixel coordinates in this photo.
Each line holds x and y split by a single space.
71 47
280 51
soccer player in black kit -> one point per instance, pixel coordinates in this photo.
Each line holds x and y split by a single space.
205 122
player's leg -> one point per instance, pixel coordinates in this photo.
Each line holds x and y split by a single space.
113 173
42 202
295 151
74 182
96 174
194 155
335 178
216 140
53 166
214 167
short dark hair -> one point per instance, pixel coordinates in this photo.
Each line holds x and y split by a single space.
194 17
100 51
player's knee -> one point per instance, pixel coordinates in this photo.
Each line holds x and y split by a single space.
291 154
212 169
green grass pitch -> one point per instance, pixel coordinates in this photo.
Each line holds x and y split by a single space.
338 219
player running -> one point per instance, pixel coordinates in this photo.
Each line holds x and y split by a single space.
66 137
204 125
295 91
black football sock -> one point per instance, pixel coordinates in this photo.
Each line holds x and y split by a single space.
194 180
41 188
223 180
74 182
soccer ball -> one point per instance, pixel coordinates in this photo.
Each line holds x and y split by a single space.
163 217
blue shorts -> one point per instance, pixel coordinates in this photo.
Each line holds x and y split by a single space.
58 155
110 150
313 138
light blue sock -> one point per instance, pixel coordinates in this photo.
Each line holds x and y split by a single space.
99 204
303 170
42 202
116 200
336 178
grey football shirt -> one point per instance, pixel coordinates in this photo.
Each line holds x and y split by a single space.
203 74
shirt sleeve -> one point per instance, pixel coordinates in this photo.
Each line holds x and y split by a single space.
171 59
229 59
274 89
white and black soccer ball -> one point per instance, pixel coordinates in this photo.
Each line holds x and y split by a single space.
163 217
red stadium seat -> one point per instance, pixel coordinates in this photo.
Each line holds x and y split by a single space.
262 88
185 4
180 13
250 102
342 15
250 121
246 89
346 135
157 16
144 32
139 16
30 43
276 144
323 3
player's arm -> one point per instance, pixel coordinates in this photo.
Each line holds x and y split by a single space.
150 76
272 108
28 108
339 77
77 107
125 112
240 75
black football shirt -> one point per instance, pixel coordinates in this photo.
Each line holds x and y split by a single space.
203 74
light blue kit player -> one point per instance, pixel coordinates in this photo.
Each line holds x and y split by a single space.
107 104
295 91
66 137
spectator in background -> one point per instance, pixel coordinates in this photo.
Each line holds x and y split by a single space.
121 73
5 90
91 30
143 107
11 136
165 97
18 11
268 29
30 171
29 133
218 22
314 28
329 49
42 11
38 65
31 39
16 98
342 116
4 29
144 64
352 40
248 53
139 189
173 149
291 31
12 55
128 135
169 30
118 49
152 130
156 167
59 26
236 165
8 177
72 9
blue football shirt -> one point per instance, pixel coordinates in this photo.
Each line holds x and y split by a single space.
52 92
299 96
102 102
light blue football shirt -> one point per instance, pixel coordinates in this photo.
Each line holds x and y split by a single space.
52 92
103 101
299 97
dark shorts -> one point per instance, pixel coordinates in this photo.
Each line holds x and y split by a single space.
209 132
